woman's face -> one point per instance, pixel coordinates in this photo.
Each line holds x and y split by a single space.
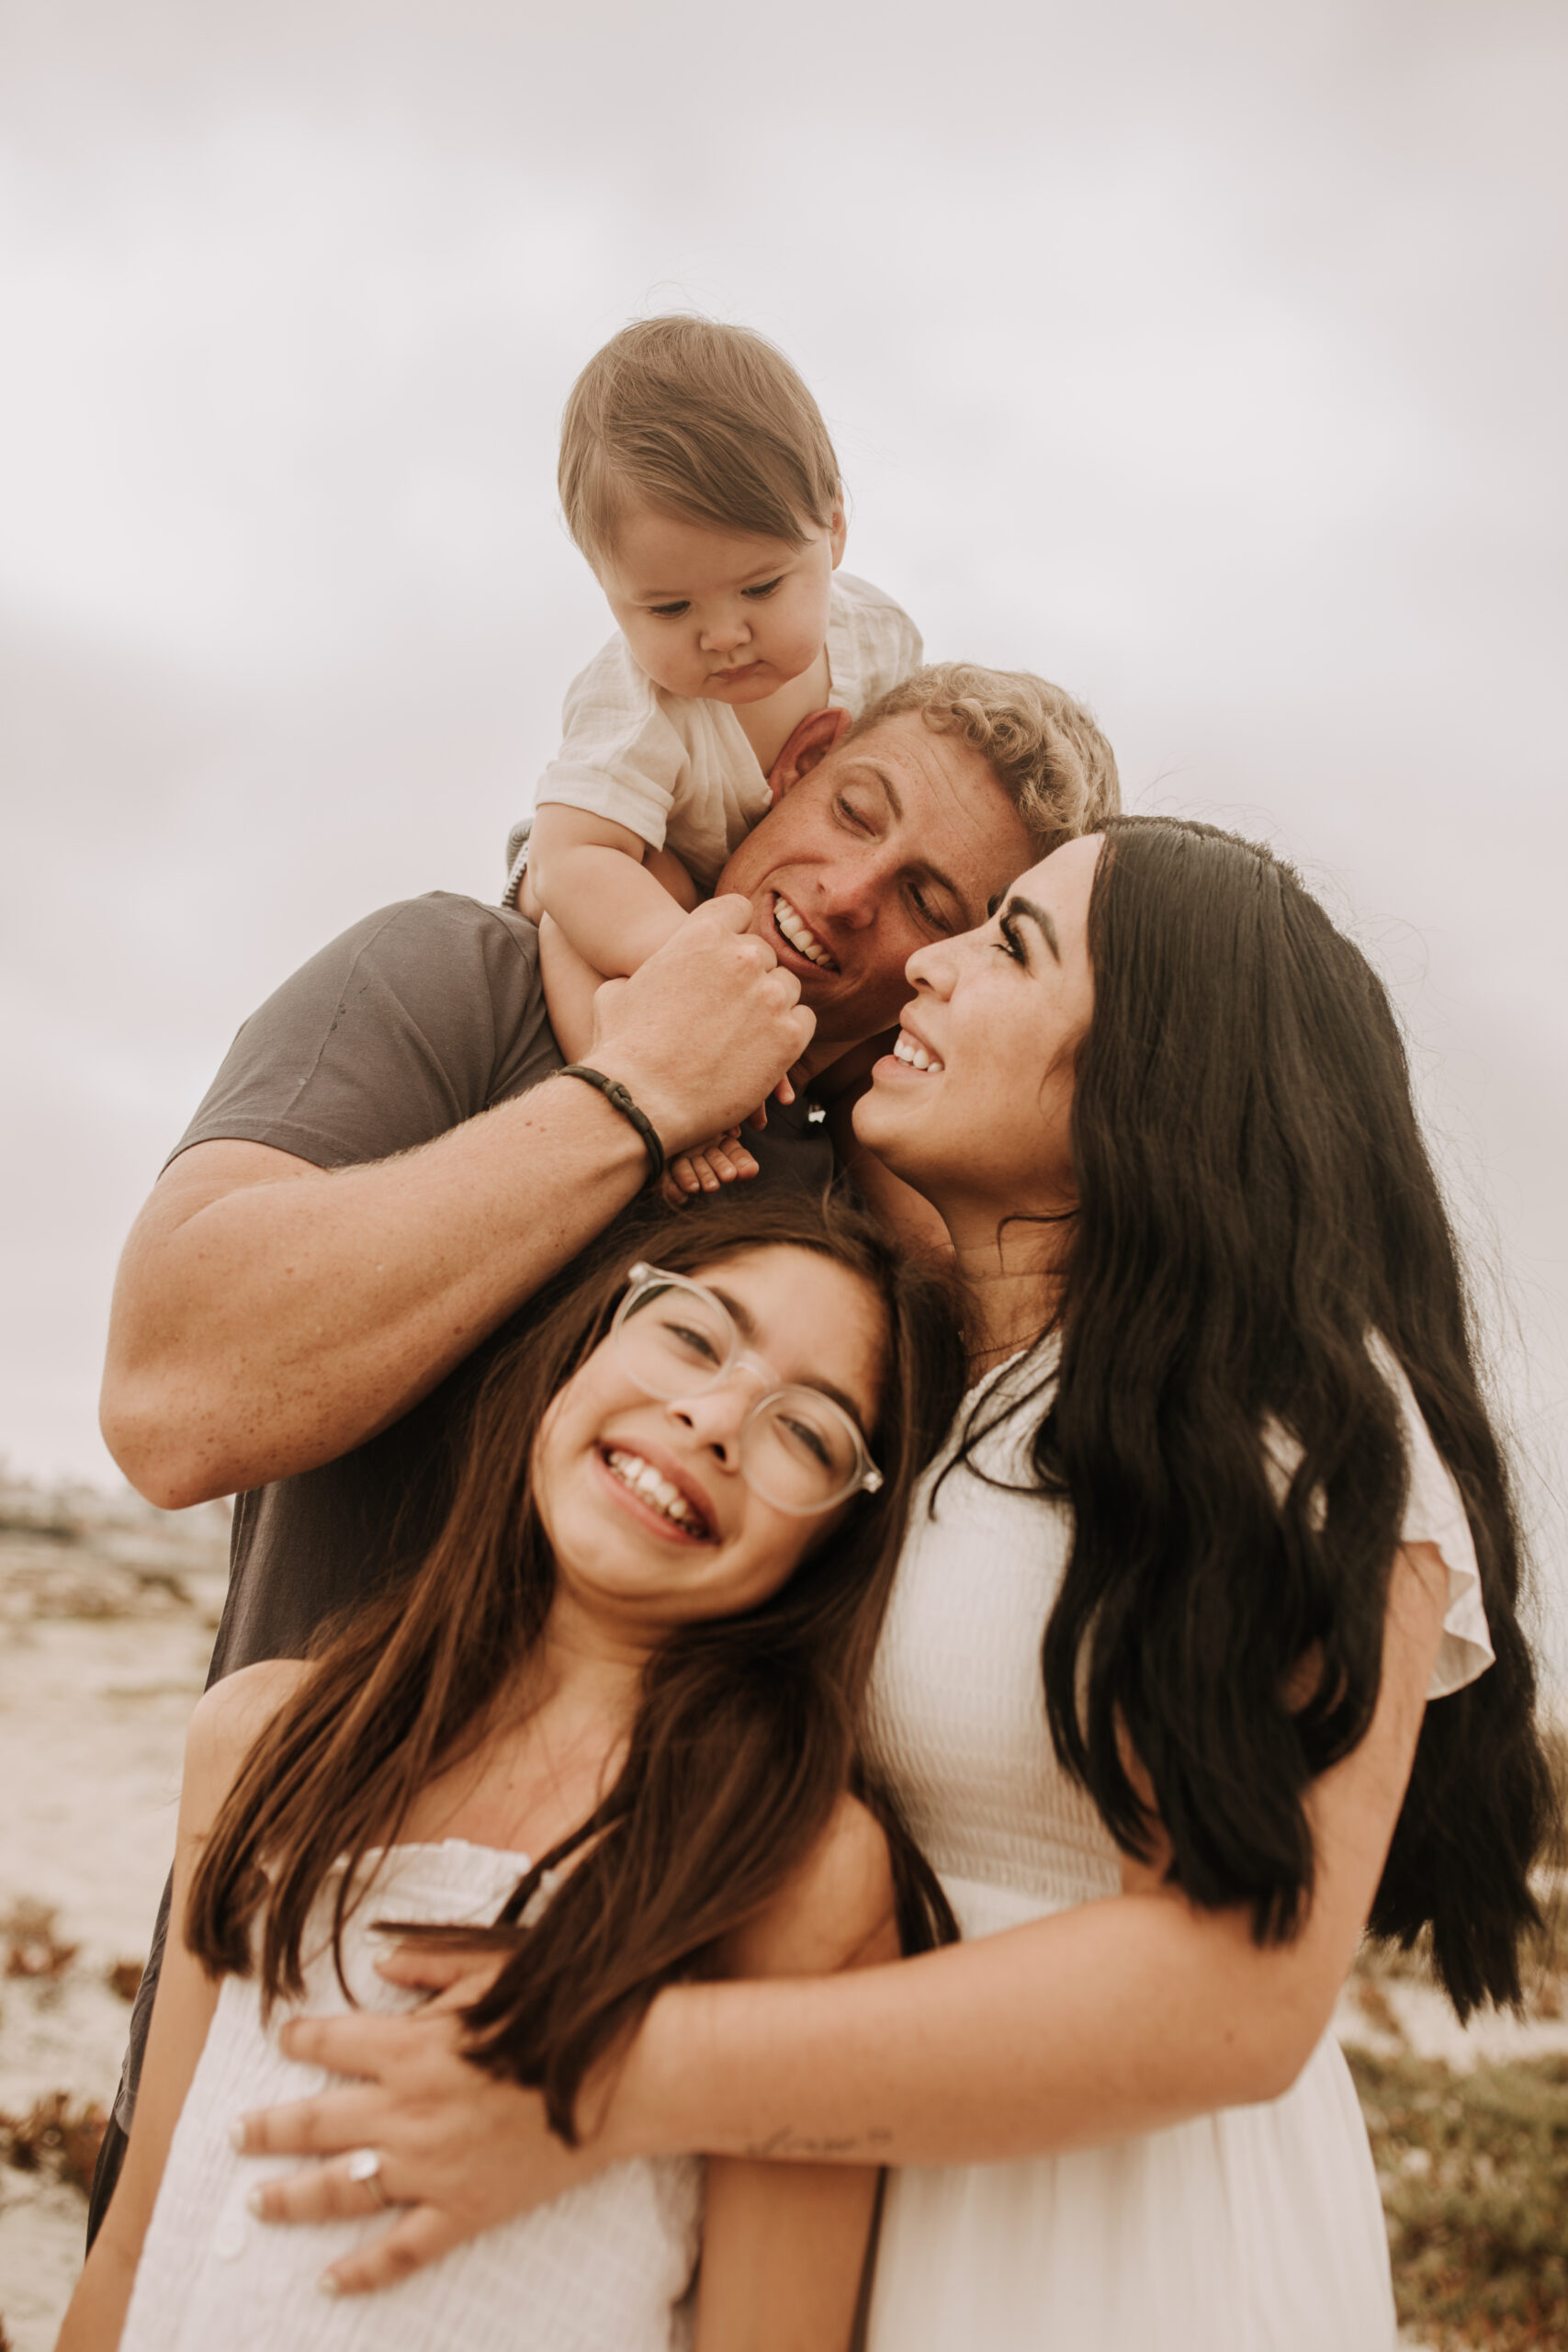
645 1558
974 1105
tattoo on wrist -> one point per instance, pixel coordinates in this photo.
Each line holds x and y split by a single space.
787 2141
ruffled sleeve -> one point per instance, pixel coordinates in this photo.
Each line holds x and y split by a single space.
1435 1514
623 755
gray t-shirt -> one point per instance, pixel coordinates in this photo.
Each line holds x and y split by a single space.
414 1020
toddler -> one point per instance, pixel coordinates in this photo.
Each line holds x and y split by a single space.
698 478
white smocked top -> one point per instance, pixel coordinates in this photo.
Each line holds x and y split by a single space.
605 2268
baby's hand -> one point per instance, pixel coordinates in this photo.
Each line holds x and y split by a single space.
725 1160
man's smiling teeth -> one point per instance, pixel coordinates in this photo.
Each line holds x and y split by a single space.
646 1483
908 1049
799 935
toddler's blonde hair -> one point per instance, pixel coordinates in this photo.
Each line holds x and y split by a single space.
706 422
1043 747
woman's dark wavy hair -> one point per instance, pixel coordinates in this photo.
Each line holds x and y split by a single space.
744 1740
1256 1199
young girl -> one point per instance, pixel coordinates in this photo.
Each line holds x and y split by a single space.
698 478
612 1716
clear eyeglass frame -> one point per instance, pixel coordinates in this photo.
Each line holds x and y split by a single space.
644 1280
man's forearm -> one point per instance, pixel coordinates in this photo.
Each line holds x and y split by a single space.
269 1315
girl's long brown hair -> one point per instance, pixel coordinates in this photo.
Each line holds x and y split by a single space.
743 1742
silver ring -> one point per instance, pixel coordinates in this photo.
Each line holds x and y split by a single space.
364 2165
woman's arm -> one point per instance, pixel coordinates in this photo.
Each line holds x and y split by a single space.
224 1726
1110 2019
783 2248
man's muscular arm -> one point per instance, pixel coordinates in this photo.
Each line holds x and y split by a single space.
268 1314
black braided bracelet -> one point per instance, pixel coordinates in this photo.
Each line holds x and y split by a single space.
616 1094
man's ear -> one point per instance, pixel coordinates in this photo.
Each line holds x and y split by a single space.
810 743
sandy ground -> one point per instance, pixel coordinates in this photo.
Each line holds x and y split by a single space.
106 1612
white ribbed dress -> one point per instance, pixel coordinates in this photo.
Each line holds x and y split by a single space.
605 2268
1255 2229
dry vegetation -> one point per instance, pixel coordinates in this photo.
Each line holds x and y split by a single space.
59 2136
1473 2162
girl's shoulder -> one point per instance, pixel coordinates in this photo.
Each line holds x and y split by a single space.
230 1717
835 1911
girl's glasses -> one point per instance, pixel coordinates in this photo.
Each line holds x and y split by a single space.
799 1450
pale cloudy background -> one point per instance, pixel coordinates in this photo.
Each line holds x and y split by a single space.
1208 357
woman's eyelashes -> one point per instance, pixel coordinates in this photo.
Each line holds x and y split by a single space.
1011 940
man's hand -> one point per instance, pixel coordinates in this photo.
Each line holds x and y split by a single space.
269 1315
706 1029
459 2152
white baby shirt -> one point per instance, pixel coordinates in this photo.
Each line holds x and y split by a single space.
682 773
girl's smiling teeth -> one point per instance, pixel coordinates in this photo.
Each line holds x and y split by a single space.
914 1056
652 1487
801 937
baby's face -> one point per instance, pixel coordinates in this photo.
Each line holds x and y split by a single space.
715 616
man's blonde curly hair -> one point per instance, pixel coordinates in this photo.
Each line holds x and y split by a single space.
1043 747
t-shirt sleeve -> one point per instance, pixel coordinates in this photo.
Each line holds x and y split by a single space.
1435 1513
417 1018
622 754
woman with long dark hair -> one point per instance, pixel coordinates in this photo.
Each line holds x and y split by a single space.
607 1734
1204 1656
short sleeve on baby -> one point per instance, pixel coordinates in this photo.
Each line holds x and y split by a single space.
622 756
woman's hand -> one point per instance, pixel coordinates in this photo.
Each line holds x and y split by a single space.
459 2151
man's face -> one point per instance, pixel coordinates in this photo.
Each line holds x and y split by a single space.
894 839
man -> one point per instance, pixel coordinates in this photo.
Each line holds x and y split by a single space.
389 1164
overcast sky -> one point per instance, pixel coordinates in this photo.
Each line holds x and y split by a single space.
1209 358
